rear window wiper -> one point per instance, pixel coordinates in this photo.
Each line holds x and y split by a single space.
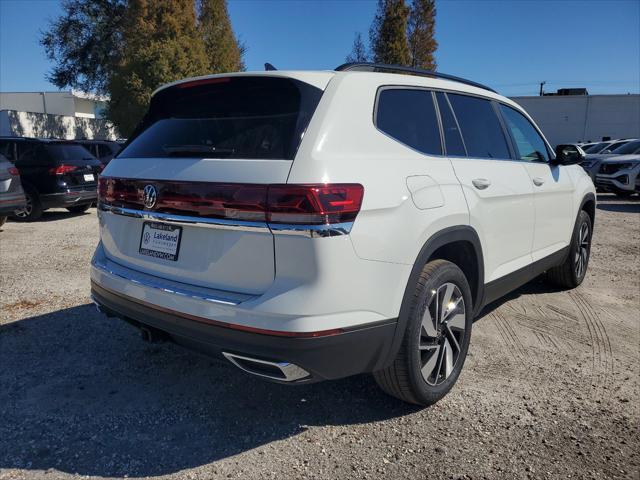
196 149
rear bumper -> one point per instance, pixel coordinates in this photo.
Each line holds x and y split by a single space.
361 349
68 199
10 203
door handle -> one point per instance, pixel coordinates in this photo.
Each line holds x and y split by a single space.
481 183
538 182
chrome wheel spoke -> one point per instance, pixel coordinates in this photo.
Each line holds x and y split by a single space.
458 321
441 355
448 359
430 365
451 339
428 325
446 300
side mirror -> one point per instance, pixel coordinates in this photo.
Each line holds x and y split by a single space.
568 155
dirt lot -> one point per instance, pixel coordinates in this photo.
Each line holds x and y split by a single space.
550 388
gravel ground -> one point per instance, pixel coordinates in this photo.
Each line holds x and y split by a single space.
550 388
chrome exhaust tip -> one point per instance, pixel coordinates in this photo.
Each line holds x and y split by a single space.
281 371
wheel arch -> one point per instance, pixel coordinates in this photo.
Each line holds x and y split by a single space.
454 244
588 204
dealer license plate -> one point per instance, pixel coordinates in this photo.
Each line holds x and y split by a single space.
88 177
160 240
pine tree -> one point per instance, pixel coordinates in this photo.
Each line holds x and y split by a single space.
422 44
388 33
358 51
162 44
221 45
85 43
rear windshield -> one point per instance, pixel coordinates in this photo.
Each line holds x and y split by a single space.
228 117
65 152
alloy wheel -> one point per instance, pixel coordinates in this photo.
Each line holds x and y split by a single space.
582 252
26 211
441 333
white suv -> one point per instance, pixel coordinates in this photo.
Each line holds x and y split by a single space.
316 225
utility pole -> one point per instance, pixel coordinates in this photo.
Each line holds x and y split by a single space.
541 90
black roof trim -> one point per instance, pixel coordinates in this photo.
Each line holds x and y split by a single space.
380 67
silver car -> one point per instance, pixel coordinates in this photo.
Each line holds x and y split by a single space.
11 194
620 175
592 162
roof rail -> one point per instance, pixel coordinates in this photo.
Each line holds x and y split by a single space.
380 67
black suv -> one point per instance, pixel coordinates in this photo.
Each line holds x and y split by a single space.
54 173
103 150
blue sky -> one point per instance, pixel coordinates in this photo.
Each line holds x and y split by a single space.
509 45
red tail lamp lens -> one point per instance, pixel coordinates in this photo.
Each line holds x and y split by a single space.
314 204
62 169
13 171
203 81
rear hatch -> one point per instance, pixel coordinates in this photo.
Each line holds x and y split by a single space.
185 198
74 164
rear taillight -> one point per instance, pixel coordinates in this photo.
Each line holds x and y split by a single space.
314 204
14 171
62 169
308 204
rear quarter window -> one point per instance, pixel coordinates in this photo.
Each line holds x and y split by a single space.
226 117
409 116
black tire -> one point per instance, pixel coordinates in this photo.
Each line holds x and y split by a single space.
404 379
2 220
33 210
79 208
570 274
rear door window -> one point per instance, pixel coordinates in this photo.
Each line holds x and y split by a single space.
409 116
31 153
529 145
226 117
481 129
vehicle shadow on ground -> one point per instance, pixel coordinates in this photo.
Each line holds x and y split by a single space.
534 287
628 207
55 215
82 393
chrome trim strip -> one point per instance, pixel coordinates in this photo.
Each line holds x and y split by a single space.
312 231
165 286
290 371
219 223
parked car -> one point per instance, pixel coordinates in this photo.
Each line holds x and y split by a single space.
620 175
585 146
606 147
103 150
11 194
315 225
54 173
592 162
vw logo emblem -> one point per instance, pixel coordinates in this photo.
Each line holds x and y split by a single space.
149 196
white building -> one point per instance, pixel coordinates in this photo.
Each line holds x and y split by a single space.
67 115
576 118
